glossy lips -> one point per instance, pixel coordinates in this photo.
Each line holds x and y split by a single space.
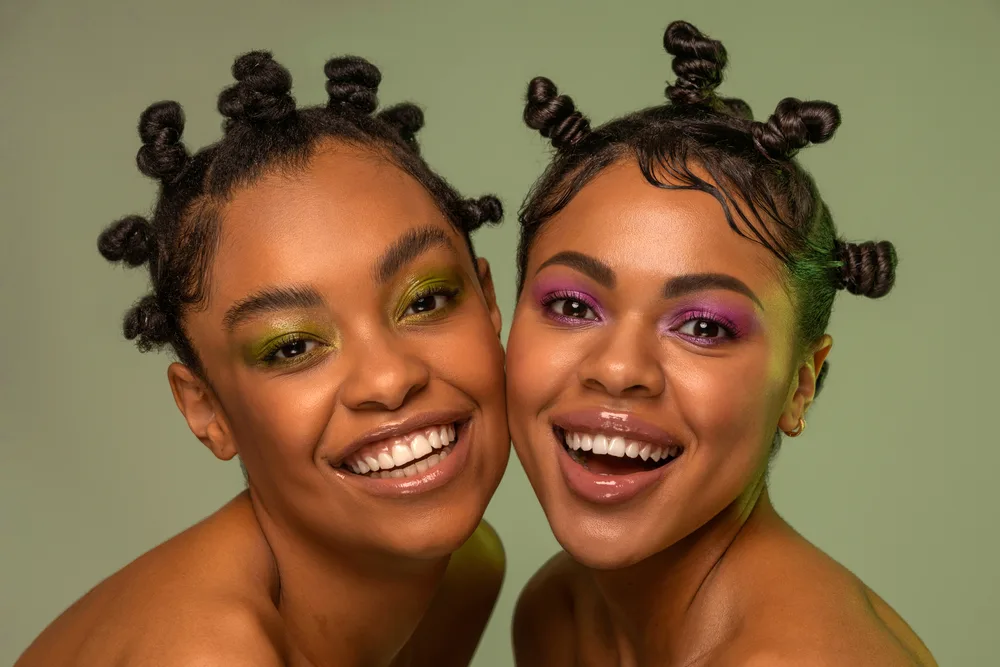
613 434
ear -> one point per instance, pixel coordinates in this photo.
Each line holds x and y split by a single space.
803 391
202 410
486 281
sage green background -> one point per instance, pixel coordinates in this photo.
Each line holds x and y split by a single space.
895 477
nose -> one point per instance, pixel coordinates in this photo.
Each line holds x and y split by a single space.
625 363
384 374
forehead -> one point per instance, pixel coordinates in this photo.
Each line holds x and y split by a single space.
327 222
638 228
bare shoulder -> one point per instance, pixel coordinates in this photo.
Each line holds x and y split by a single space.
837 618
462 605
201 596
544 628
217 635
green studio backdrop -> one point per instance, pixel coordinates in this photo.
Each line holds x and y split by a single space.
894 476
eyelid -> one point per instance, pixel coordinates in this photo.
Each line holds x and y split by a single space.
733 331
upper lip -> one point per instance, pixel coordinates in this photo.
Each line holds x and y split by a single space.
626 424
402 427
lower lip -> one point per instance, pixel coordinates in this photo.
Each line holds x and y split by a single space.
435 478
605 489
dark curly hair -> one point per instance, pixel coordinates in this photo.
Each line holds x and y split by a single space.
263 131
764 192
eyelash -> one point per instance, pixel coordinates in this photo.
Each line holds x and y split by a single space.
731 330
554 297
270 357
447 291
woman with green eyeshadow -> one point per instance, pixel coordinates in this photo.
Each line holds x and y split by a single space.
334 329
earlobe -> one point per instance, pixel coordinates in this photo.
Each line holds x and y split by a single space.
802 393
201 410
486 282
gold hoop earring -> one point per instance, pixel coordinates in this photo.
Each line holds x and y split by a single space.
799 428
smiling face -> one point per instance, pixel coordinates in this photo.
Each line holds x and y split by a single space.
354 359
651 357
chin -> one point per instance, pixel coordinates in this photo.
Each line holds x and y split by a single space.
440 537
601 545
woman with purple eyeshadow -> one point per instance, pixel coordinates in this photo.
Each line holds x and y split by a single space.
670 329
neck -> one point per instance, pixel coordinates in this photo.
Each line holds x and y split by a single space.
345 608
677 603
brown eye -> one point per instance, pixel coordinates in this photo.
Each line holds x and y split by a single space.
294 349
572 309
427 303
703 329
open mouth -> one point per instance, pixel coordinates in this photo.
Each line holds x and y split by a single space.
614 454
406 456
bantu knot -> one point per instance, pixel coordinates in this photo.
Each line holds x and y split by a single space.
794 125
868 269
554 115
485 210
698 63
162 155
261 94
352 84
147 323
129 240
406 120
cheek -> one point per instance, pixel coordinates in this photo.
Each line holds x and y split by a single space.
283 418
469 356
732 401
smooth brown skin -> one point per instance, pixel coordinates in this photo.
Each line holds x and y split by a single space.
700 569
303 568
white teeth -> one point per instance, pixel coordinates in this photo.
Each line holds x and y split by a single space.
420 447
400 459
401 454
615 445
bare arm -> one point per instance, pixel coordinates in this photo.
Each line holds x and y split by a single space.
451 629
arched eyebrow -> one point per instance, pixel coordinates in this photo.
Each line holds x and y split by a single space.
673 288
407 248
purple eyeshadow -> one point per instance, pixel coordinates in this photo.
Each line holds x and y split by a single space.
545 291
739 322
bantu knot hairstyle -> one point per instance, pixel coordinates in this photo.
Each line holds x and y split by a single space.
162 155
867 269
263 130
262 93
352 84
765 193
406 119
554 115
